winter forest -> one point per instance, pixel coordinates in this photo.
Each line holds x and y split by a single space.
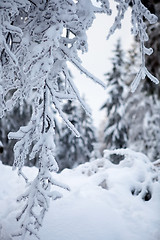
62 177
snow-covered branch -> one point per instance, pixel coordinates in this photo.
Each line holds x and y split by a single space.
138 14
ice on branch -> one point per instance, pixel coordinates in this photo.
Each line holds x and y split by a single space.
143 72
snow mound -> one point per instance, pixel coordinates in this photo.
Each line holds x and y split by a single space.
130 171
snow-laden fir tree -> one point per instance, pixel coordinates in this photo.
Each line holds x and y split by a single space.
152 130
88 134
73 151
143 118
116 130
37 40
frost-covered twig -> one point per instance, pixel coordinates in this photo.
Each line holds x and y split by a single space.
82 69
143 72
122 8
138 14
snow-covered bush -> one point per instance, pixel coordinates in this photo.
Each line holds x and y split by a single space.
37 40
133 174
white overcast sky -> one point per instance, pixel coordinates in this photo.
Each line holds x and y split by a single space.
97 60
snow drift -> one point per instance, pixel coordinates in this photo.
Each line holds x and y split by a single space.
107 201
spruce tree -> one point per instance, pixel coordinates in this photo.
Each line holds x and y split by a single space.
144 123
88 135
115 133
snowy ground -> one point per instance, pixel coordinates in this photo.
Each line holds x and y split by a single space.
105 201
